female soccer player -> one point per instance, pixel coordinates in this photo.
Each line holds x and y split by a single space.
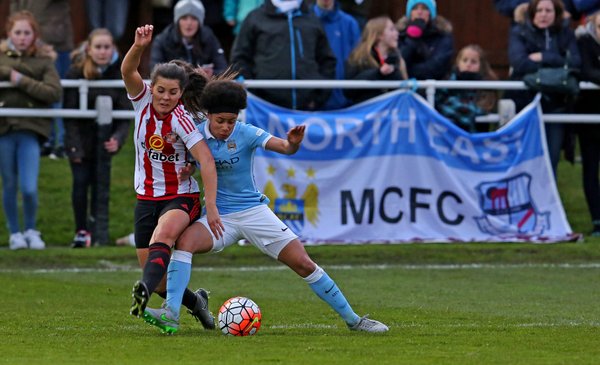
164 136
244 209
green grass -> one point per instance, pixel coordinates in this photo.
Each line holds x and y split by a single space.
537 313
492 303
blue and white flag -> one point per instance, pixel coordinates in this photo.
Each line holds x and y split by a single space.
394 170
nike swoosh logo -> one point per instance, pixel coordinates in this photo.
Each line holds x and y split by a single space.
284 229
164 318
327 291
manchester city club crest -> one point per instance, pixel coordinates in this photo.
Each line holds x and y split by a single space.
291 212
509 208
294 207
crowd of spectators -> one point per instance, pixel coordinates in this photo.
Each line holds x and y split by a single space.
311 40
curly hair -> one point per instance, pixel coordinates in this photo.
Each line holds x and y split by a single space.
223 94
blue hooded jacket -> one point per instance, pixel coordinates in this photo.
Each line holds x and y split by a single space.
343 34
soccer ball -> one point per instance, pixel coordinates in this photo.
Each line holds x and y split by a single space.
239 316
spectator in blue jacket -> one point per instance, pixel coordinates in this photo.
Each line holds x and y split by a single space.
426 41
283 39
235 11
542 38
187 39
343 34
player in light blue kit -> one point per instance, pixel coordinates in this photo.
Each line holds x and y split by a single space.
244 210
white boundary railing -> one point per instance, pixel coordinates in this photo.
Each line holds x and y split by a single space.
430 87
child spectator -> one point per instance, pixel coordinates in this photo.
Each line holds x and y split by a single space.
54 18
29 66
462 106
96 59
375 58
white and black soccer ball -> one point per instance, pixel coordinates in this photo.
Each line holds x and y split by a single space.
239 316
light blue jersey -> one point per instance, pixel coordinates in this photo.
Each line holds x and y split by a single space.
234 159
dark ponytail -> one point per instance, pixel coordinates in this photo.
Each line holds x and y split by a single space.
191 80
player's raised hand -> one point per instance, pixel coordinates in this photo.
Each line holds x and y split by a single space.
296 134
143 35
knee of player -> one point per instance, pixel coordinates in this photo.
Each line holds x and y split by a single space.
305 266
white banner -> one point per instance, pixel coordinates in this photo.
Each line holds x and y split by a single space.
393 170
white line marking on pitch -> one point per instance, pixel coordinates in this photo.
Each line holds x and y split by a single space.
111 267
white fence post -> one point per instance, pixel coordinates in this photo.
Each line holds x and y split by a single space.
99 223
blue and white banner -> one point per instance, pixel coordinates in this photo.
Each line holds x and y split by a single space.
394 170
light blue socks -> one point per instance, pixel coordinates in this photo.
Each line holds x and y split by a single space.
178 277
327 290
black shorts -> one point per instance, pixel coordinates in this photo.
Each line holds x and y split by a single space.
147 213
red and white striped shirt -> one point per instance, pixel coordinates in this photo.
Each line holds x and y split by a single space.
161 148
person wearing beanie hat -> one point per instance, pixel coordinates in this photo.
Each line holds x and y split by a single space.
430 4
426 41
189 7
188 39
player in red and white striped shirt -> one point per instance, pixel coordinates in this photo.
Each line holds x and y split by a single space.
164 136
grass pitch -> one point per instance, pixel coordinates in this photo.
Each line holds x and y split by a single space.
67 306
444 303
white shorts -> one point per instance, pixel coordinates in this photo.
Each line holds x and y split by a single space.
259 225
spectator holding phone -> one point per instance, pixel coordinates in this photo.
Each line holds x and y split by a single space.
375 58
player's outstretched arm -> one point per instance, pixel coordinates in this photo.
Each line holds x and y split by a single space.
134 84
290 145
208 171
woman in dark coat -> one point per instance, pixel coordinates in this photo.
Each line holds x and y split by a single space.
426 41
187 39
96 59
589 134
542 38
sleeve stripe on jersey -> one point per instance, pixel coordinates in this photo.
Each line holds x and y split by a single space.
140 95
185 122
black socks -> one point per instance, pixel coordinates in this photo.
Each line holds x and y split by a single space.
156 266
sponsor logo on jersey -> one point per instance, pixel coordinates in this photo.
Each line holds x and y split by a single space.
159 156
156 142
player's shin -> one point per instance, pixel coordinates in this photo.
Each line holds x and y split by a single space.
328 290
178 277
